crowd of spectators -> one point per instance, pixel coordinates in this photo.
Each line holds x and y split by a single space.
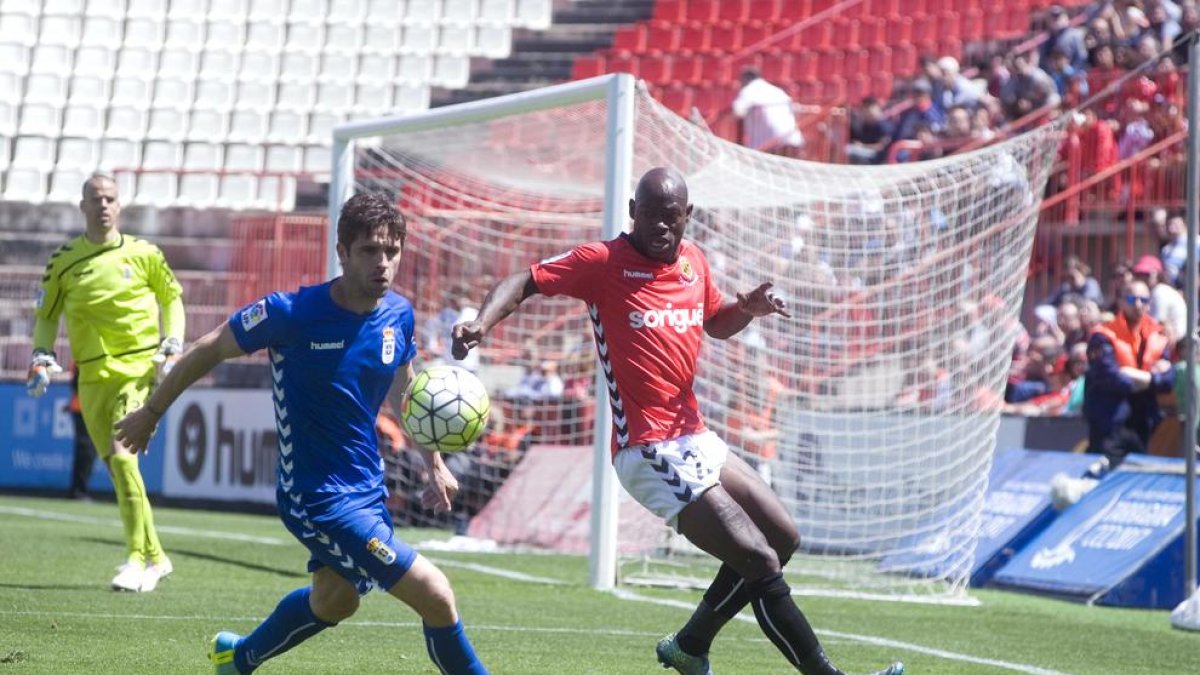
1076 58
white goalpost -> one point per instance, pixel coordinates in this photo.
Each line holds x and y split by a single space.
872 412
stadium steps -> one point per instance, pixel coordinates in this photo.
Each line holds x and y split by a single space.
541 58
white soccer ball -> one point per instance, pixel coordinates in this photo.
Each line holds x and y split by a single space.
445 409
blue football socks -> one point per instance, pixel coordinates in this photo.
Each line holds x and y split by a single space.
451 651
291 623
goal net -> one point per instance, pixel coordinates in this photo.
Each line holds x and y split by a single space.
872 412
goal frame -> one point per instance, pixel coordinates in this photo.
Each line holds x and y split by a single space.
618 92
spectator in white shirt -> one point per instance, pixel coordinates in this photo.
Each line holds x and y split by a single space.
769 119
1167 305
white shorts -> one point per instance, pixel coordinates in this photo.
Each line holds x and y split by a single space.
668 475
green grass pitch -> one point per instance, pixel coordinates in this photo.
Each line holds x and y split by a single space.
527 614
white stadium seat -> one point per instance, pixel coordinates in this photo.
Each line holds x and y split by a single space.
259 67
67 7
451 71
102 31
60 30
493 40
343 39
422 11
255 96
267 10
34 152
296 97
287 126
376 68
318 160
192 10
219 65
284 158
496 11
381 38
225 35
162 155
144 33
98 61
297 67
265 36
65 185
215 95
346 11
106 8
411 98
178 64
307 11
43 88
182 34
247 126
243 157
304 37
131 92
203 156
420 38
8 119
207 125
383 12
334 97
174 94
10 87
455 38
25 185
228 10
85 121
159 188
89 91
414 68
338 68
137 63
277 193
4 150
18 29
40 119
126 122
52 59
116 153
14 59
81 154
373 99
200 190
320 127
240 190
167 124
533 14
140 9
458 11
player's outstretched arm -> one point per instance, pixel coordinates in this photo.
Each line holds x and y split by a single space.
737 314
500 302
136 428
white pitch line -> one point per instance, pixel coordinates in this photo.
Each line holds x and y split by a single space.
497 571
172 529
867 639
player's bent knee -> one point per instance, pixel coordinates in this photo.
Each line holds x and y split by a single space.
427 590
333 598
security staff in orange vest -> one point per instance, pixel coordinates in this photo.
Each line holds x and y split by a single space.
1128 365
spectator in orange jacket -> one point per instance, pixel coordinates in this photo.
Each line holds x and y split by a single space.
1128 365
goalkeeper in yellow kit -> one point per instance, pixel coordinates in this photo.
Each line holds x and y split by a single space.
111 287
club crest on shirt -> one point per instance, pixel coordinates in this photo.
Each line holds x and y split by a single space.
254 315
389 345
687 273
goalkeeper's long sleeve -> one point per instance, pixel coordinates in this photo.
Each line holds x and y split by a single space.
174 319
45 332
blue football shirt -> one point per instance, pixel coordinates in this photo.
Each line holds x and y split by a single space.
332 369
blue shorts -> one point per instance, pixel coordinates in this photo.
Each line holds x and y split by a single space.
350 533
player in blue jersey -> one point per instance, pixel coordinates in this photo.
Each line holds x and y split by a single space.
336 351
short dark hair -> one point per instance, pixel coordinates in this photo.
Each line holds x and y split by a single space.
367 211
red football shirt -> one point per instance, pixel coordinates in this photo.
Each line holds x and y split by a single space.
648 318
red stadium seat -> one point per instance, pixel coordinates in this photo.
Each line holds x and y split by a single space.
882 8
829 63
662 36
766 11
630 38
881 85
872 33
754 32
904 61
734 11
971 25
879 60
678 99
924 32
804 65
834 92
815 36
725 37
794 10
809 91
670 10
777 68
687 69
588 65
695 37
845 34
855 62
899 30
858 87
704 11
656 68
948 26
623 62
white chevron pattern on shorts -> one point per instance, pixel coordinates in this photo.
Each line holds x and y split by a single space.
620 422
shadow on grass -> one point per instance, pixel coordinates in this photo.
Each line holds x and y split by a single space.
177 553
51 587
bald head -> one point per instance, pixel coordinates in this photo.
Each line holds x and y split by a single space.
660 212
100 206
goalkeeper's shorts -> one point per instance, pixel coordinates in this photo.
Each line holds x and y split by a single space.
666 476
350 533
104 403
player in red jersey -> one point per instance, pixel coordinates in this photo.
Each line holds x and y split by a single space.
651 297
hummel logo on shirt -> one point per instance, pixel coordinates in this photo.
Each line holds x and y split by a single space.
340 344
634 274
